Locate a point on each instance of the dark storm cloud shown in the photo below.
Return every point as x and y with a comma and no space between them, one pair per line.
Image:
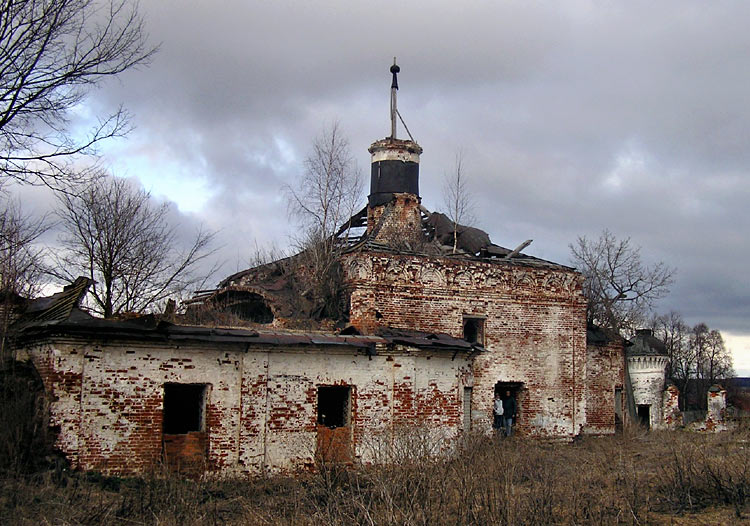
571,118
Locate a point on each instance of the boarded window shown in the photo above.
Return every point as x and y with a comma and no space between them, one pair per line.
333,405
474,330
184,408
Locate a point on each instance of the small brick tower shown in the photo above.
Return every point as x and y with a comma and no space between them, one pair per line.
393,214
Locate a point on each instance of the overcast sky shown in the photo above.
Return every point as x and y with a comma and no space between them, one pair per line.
571,117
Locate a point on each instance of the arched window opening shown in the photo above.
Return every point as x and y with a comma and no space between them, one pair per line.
248,306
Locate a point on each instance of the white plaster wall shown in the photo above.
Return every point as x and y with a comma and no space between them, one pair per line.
122,385
293,378
261,403
64,363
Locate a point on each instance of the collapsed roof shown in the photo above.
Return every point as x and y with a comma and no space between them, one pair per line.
62,305
264,292
438,232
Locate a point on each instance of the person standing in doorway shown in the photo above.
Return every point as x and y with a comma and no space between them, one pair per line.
509,412
498,421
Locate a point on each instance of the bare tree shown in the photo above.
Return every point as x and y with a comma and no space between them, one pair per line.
325,198
698,357
716,364
21,260
676,334
21,264
619,287
121,240
53,52
330,188
457,199
713,362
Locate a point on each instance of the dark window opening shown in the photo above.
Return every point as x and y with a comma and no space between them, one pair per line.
333,405
644,415
246,305
474,330
184,407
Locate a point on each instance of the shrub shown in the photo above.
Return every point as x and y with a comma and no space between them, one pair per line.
25,438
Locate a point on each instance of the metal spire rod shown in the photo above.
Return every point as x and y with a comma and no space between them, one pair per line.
394,89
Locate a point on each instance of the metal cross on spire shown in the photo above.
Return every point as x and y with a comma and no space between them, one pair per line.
394,88
394,109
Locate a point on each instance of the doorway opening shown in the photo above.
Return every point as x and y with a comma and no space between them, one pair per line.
515,390
184,408
644,415
184,438
333,405
334,435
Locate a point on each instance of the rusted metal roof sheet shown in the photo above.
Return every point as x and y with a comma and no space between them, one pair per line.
428,340
58,306
150,328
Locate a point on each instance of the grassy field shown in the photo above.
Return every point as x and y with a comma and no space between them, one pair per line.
669,478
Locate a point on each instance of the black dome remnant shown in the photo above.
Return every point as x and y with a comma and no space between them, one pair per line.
394,169
644,343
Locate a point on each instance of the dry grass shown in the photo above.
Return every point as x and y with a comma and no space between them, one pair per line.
674,478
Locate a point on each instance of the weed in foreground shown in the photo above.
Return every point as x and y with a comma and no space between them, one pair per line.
625,480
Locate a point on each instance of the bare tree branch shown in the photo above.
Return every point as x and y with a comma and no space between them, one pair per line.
698,357
330,188
53,52
713,361
21,261
122,241
620,289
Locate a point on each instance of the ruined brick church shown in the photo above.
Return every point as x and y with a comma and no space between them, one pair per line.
431,336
